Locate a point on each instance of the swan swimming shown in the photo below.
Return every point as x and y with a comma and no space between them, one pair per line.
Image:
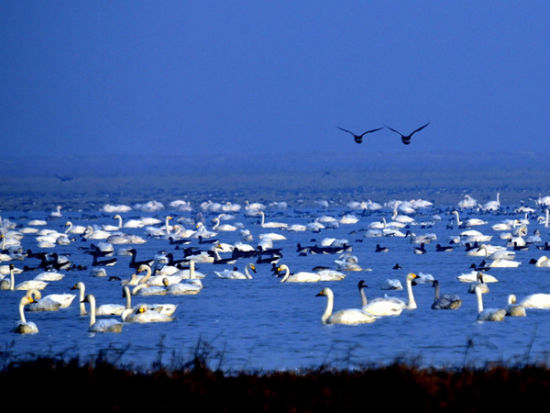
445,301
23,326
380,307
50,302
271,224
536,301
235,274
513,309
142,314
489,314
104,325
352,316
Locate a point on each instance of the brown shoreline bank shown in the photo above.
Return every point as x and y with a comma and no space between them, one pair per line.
102,386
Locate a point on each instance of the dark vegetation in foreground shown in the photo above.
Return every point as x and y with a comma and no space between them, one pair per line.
101,384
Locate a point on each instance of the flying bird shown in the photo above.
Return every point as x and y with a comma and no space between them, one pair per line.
407,138
63,178
359,138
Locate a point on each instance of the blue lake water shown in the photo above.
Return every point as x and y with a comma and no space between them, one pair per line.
263,324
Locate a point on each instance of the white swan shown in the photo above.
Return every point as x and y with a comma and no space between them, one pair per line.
222,227
300,277
82,294
188,287
95,233
503,263
50,302
468,202
489,314
537,301
143,314
109,227
492,206
479,283
191,273
49,276
74,229
57,212
165,231
513,309
235,274
543,261
351,316
379,307
104,325
328,274
156,280
271,224
348,219
23,326
473,276
116,309
445,301
31,285
347,262
471,222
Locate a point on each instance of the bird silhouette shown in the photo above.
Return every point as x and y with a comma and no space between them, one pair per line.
406,139
63,178
358,138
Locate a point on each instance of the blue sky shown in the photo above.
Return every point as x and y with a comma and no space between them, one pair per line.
216,77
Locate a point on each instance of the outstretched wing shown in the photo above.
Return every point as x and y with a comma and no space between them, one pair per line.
345,130
393,130
370,131
419,129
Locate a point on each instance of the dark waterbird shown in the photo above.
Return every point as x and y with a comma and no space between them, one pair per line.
406,139
358,138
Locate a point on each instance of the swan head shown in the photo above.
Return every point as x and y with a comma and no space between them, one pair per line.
324,292
35,294
144,267
512,299
361,284
411,277
88,299
27,299
78,286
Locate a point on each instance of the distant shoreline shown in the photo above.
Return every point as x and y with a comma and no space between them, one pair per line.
77,181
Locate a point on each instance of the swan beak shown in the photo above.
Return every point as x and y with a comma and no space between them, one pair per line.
253,267
321,293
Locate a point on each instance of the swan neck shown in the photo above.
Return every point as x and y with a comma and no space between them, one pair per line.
22,311
81,297
363,297
458,221
479,300
91,300
436,292
128,297
287,273
12,279
329,307
147,276
412,303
